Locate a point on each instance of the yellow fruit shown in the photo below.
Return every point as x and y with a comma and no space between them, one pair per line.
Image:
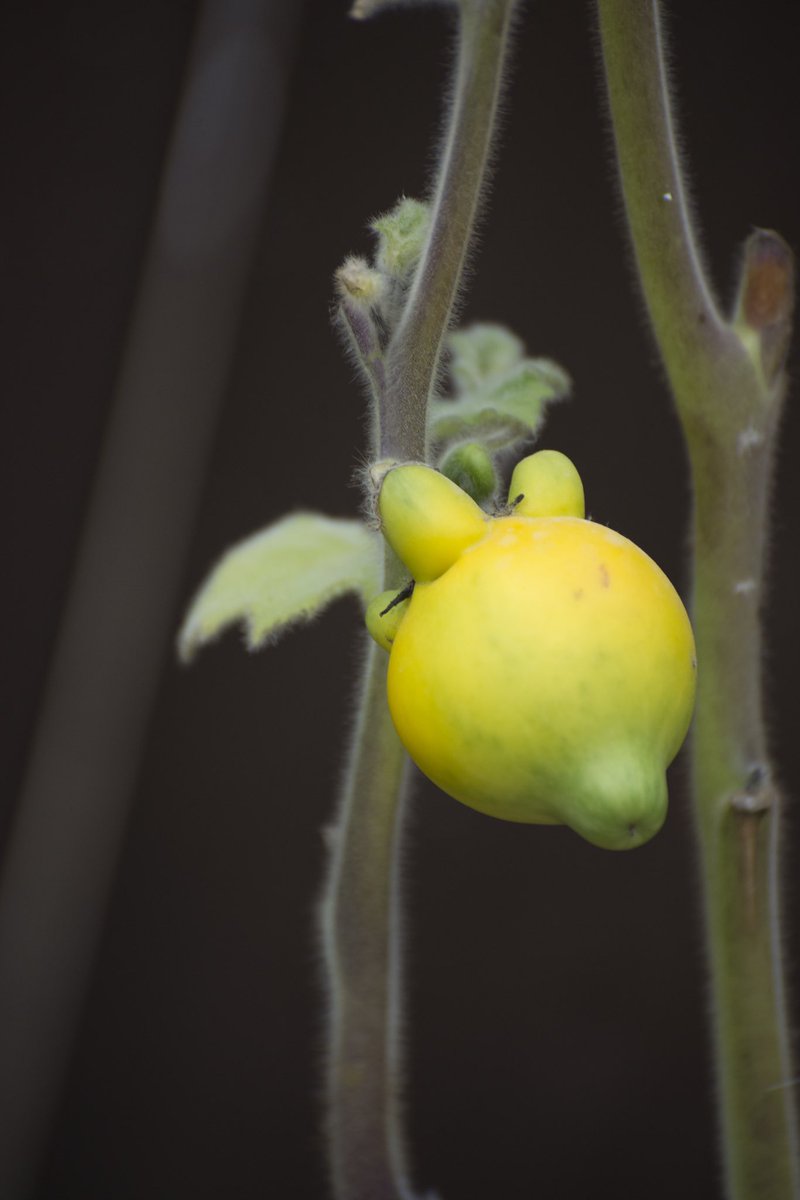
547,674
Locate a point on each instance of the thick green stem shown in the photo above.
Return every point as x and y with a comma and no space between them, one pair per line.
727,382
359,923
413,358
361,907
737,808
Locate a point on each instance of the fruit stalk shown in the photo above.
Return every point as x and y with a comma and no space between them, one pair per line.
413,356
360,907
359,920
727,378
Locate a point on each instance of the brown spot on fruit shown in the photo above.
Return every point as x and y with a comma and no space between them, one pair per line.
605,578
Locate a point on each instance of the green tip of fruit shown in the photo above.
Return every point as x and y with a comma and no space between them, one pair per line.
427,519
549,486
618,803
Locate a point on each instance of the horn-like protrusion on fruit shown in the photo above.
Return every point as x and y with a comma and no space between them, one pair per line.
383,616
549,486
427,519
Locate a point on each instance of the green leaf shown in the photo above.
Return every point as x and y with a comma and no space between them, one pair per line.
504,409
471,467
499,394
482,354
283,574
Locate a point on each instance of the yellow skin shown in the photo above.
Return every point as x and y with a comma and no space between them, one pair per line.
547,674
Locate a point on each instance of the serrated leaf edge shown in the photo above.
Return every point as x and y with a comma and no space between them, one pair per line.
192,637
441,411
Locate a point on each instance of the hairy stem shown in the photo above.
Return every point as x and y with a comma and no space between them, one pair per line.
727,380
362,337
414,352
360,911
359,925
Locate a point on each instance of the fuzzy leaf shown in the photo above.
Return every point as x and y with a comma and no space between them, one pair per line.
285,573
482,354
501,411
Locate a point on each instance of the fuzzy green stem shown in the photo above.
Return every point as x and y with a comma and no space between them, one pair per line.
726,377
361,908
360,330
359,924
414,352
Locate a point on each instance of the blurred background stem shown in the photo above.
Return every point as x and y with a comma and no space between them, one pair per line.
728,381
117,624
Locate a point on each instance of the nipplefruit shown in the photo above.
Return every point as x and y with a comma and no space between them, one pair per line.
543,670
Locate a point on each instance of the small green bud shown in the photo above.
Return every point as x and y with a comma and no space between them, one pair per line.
401,237
357,280
471,467
549,486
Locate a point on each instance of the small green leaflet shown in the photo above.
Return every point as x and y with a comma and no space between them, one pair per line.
500,395
283,574
481,354
401,234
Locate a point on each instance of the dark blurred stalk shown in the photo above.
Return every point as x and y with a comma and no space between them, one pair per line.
117,624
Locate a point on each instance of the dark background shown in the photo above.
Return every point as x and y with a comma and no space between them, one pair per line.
557,1004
